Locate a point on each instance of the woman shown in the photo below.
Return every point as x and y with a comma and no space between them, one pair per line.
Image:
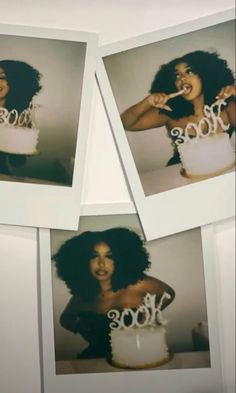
19,83
179,92
104,270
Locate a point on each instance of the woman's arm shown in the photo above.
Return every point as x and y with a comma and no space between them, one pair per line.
154,286
69,317
231,112
146,113
224,94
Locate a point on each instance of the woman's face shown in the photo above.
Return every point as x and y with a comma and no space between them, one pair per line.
102,264
4,88
186,79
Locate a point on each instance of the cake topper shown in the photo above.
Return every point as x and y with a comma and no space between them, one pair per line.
211,119
149,311
14,119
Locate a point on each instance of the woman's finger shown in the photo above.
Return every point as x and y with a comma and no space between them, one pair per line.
226,92
167,108
176,94
163,106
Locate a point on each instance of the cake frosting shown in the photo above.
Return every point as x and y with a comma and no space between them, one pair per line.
207,153
18,134
138,337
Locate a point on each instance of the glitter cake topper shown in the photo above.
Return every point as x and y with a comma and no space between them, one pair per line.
149,310
211,120
14,119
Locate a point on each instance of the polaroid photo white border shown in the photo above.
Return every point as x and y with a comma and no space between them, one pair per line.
44,203
202,380
184,207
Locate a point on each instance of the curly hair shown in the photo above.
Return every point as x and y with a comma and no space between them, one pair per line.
130,257
23,81
213,71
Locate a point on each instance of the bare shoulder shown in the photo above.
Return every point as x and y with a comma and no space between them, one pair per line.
150,283
154,285
133,295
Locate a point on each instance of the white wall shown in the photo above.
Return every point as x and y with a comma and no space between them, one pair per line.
225,243
19,325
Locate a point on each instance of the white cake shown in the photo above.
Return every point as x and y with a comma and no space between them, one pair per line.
207,157
139,347
139,344
18,140
206,153
18,134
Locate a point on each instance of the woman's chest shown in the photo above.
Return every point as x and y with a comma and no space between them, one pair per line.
209,122
117,300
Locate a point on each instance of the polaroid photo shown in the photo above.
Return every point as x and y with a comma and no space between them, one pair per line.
46,87
122,312
170,98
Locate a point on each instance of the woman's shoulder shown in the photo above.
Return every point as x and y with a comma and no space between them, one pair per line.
151,284
148,282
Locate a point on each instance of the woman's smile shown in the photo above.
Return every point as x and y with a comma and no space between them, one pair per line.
101,272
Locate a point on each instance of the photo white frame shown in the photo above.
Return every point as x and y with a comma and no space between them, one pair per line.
202,380
50,204
171,209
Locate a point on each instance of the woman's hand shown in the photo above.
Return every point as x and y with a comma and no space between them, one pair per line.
143,116
159,100
226,92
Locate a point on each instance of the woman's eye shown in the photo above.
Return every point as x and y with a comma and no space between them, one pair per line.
189,72
177,76
109,256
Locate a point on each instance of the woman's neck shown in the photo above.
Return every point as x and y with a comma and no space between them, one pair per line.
105,286
198,104
2,103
